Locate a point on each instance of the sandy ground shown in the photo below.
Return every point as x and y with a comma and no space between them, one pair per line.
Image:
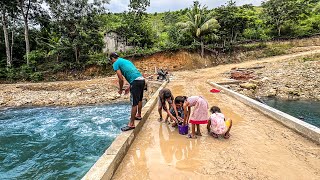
259,147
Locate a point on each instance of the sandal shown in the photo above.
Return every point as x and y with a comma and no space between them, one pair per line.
138,118
227,136
127,128
160,119
214,135
191,137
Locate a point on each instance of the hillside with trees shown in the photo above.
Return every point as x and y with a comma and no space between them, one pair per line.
40,38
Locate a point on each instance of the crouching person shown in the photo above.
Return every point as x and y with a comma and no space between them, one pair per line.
217,123
178,101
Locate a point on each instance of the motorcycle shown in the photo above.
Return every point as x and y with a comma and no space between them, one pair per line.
163,75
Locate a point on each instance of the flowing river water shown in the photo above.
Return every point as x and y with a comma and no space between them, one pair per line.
56,142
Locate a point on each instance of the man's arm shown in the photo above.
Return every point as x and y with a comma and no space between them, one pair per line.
120,77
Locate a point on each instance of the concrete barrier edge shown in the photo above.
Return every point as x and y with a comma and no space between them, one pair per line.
107,164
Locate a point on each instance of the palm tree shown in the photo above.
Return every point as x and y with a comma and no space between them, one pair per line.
199,23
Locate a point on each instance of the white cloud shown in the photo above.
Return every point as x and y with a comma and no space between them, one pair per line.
117,6
173,5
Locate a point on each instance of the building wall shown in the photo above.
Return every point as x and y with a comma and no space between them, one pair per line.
114,43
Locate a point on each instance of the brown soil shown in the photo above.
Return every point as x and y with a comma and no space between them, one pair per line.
259,147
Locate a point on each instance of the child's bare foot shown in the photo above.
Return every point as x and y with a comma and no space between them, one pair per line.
227,136
214,135
198,134
160,119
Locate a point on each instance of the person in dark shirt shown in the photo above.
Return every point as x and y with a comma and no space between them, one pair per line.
165,95
178,101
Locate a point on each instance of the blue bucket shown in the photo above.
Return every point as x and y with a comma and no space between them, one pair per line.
183,129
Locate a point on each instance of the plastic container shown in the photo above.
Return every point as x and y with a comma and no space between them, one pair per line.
183,129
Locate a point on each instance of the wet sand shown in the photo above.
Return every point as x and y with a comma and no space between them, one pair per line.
259,147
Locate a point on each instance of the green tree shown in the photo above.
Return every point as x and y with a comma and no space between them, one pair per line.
199,24
279,12
25,7
139,6
134,25
233,21
137,30
7,9
78,24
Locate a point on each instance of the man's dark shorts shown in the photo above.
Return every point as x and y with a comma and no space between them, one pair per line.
136,91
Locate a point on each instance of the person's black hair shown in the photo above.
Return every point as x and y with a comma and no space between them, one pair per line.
167,94
215,109
113,55
180,99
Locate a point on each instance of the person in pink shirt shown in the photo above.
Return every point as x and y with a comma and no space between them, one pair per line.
198,116
217,124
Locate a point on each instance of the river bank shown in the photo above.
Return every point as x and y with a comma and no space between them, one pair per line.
67,93
295,75
295,78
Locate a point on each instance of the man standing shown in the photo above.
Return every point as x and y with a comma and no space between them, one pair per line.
126,68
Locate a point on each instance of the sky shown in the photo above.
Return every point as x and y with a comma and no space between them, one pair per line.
173,5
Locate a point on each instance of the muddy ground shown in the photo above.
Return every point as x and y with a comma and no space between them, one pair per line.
259,147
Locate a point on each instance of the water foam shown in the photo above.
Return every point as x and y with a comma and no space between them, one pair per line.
40,143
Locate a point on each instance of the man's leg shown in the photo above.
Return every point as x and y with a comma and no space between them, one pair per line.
142,85
134,107
133,116
139,109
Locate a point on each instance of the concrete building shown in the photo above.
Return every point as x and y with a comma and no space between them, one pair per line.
115,43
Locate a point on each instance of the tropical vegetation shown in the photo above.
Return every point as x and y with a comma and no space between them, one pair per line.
42,37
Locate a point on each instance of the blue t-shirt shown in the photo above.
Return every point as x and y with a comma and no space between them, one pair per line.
128,70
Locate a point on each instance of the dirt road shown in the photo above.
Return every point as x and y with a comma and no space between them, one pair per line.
259,147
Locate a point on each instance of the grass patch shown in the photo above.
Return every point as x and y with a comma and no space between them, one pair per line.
276,49
253,46
310,58
273,51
